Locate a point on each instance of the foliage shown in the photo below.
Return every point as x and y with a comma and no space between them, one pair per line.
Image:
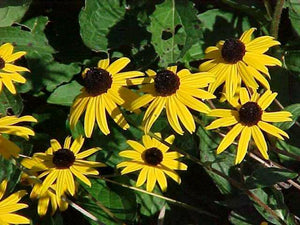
62,38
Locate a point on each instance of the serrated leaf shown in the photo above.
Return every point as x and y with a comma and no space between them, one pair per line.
96,19
12,11
10,104
295,110
264,177
65,94
175,28
294,14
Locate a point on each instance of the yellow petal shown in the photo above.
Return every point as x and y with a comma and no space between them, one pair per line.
151,179
142,176
89,119
229,138
260,142
243,144
282,116
103,64
246,36
117,65
161,178
272,130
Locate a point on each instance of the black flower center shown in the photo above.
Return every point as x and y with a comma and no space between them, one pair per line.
2,63
152,156
63,158
97,81
166,83
250,113
233,50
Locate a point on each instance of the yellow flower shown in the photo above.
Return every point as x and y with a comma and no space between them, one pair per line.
47,197
10,205
44,199
175,91
60,164
9,71
7,126
103,92
249,120
237,60
154,161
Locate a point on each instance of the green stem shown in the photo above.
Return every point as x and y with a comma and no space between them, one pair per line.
276,18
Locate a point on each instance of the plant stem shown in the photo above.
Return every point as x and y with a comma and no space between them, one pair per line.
276,18
173,201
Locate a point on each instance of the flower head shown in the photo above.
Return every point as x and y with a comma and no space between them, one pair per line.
60,164
104,90
240,60
10,205
8,126
175,91
249,120
154,161
9,71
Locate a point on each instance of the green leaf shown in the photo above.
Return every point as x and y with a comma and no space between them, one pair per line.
96,19
10,172
9,103
30,41
274,199
295,110
175,29
45,71
294,14
12,11
218,24
264,177
292,60
222,162
118,200
65,94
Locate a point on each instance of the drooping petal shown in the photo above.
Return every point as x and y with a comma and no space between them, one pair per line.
230,137
260,142
161,178
172,116
243,144
272,130
151,179
101,115
89,118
